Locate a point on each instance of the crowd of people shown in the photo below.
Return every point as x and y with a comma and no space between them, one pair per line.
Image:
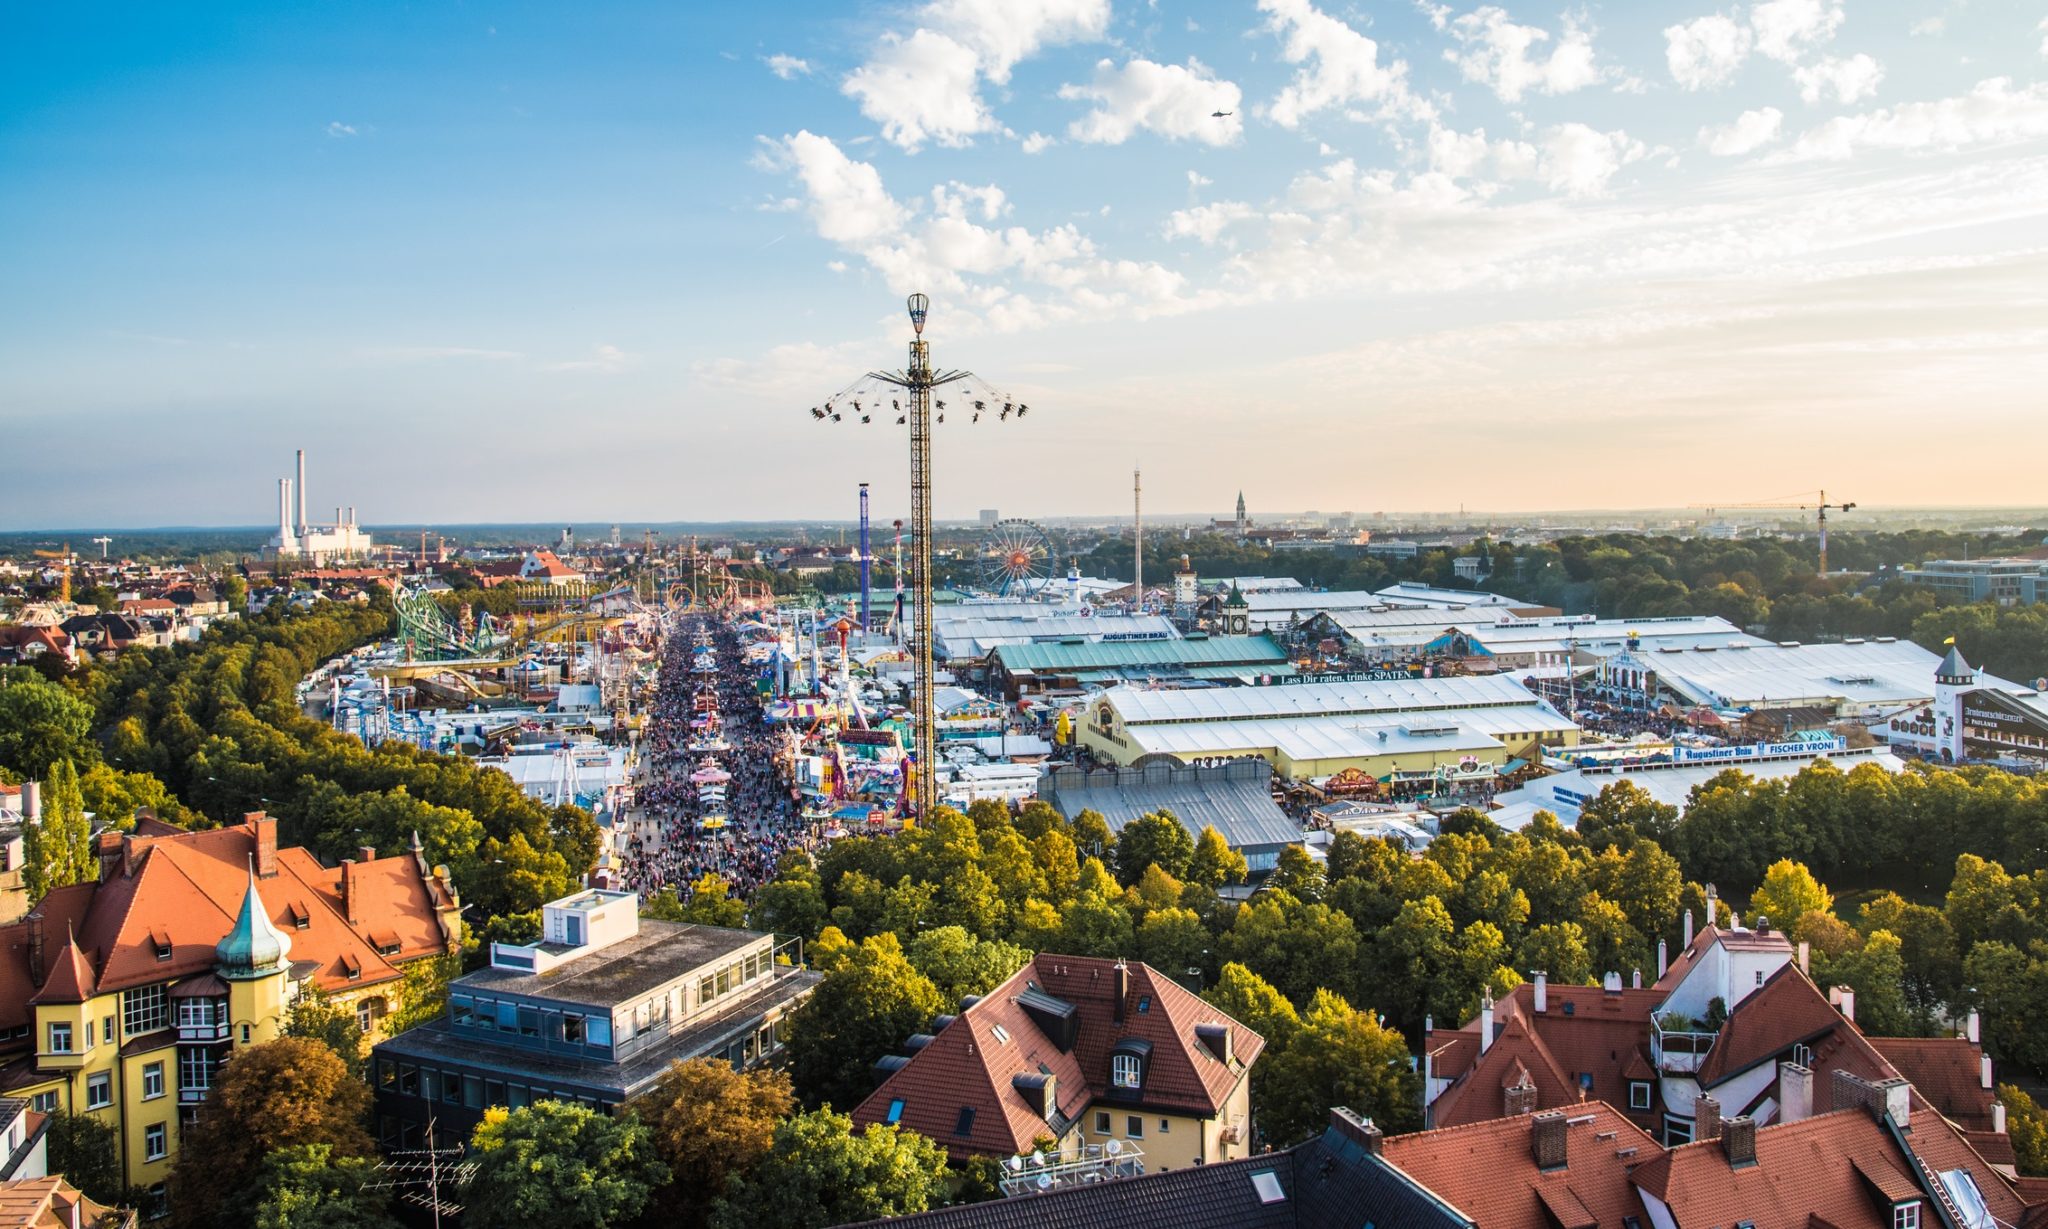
706,723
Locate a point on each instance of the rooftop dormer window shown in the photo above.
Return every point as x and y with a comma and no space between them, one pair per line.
1126,1070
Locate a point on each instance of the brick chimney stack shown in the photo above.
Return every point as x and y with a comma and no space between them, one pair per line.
38,966
1738,1141
265,830
1354,1126
1706,1117
1795,1092
1519,1100
1547,1140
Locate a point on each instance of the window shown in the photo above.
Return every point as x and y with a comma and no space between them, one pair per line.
200,1013
1638,1095
152,1080
599,1030
1906,1215
1266,1184
43,1103
1759,977
1165,1125
572,1028
99,1090
158,1205
1134,1127
195,1071
1124,1070
245,1034
1101,1123
145,1010
1144,1003
895,1112
60,1037
1002,1034
965,1124
707,990
156,1143
107,1030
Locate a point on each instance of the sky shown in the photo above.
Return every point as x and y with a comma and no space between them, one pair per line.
595,262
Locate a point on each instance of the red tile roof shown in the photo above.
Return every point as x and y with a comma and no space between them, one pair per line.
1948,1071
188,887
1582,1031
1487,1170
968,1065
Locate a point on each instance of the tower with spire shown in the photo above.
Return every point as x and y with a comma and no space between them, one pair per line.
1237,612
1242,523
254,959
1953,679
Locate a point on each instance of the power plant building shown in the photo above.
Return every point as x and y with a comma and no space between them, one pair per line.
300,540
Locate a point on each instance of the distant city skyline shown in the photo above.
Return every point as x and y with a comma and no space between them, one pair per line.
531,263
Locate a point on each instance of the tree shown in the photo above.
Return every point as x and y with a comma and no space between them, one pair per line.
553,1165
318,1017
2027,1124
1158,840
56,852
41,723
1876,973
712,904
820,1171
423,995
709,1122
307,1187
1253,1001
1559,949
86,1151
1298,873
792,903
959,964
1340,1056
859,1012
1173,940
1622,812
1789,892
1214,863
1297,947
276,1095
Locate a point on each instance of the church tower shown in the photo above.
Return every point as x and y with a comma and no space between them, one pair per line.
1237,613
1242,523
1953,678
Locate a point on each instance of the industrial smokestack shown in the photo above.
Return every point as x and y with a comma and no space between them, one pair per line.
284,510
302,493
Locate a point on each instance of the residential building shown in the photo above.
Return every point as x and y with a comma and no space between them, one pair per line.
52,1203
1733,1027
592,1013
24,1148
120,998
1093,1054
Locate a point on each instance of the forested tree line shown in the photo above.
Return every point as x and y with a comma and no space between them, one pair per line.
207,731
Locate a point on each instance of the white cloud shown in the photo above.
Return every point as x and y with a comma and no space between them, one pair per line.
1464,155
2043,28
1573,159
1206,223
787,67
1339,66
604,359
957,200
922,88
927,86
1785,29
1198,180
1578,160
1928,27
1177,102
1850,80
1748,131
339,129
848,203
1497,55
1706,51
1993,111
1037,143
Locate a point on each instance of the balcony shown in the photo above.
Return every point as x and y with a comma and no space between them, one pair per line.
204,1034
1679,1046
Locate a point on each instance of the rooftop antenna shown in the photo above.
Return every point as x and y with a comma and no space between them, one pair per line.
418,1175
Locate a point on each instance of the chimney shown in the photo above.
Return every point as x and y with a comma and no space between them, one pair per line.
1663,958
265,830
1636,981
1738,1141
1706,1117
284,509
1893,1097
1687,940
1542,990
1519,1100
1843,999
1998,1117
38,967
131,853
1763,923
301,488
1713,898
366,853
1123,988
351,901
1795,1092
1805,957
1485,1020
1984,1066
1973,1024
1355,1127
1611,983
1546,1140
31,801
109,848
1735,919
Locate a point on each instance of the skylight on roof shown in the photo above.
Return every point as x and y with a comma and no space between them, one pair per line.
1002,1034
1267,1184
895,1111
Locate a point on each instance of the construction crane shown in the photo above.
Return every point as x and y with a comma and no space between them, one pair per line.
64,593
104,543
1820,506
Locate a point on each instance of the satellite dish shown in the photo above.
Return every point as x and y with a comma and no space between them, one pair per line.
1114,1147
1015,1163
1038,1159
1045,1182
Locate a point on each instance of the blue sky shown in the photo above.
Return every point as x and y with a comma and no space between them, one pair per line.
593,262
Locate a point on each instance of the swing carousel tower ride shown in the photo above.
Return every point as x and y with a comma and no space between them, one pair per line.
908,397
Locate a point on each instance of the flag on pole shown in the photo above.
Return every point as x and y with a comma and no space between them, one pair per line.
1950,641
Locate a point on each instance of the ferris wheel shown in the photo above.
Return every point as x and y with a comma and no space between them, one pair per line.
1016,559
